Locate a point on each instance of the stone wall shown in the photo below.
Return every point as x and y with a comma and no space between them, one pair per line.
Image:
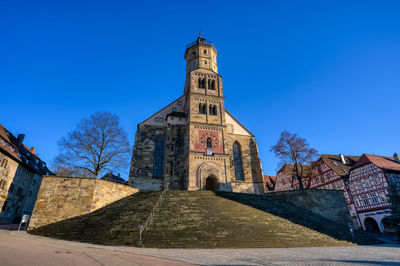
330,204
141,172
61,198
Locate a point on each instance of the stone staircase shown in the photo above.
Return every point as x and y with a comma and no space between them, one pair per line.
204,219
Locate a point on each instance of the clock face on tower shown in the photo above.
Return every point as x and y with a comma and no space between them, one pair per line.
209,142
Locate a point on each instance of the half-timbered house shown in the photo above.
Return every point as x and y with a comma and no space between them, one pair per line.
332,171
369,183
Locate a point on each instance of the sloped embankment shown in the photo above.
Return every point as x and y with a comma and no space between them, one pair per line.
204,219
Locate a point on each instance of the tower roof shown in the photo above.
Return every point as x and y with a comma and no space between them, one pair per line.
200,40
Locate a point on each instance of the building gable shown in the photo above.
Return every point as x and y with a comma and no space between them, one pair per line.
160,118
235,126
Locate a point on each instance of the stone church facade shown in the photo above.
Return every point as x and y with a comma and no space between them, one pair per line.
194,143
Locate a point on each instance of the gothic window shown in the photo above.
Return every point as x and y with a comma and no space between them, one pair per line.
158,157
237,161
209,143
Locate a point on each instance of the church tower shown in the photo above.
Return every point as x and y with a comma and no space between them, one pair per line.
194,143
205,155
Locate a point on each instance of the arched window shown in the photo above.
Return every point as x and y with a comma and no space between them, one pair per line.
209,84
204,109
200,108
212,87
237,161
213,110
202,83
158,162
209,142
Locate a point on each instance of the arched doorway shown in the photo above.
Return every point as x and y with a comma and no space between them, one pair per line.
388,226
371,225
211,183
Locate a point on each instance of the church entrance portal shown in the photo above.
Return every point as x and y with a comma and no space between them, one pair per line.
211,183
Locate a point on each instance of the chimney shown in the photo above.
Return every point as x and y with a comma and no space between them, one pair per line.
343,159
33,150
396,157
20,138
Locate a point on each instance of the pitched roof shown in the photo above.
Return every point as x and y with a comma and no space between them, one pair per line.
240,125
290,167
269,179
110,176
334,161
21,153
8,146
383,162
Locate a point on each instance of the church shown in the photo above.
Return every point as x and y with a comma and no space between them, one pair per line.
194,143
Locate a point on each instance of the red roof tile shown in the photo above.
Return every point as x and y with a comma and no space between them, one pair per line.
384,162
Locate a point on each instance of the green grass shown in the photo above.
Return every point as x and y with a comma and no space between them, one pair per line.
204,219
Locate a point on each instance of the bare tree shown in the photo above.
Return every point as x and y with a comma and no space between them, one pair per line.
294,151
97,145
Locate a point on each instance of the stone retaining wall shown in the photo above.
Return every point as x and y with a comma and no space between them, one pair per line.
61,198
330,204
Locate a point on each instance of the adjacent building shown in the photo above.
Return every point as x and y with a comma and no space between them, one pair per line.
369,182
269,183
285,178
194,142
332,171
21,172
365,181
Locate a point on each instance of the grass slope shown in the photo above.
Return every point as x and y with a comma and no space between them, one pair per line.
204,219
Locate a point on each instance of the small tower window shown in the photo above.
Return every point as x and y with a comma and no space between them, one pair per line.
212,85
205,62
202,83
213,110
202,108
194,52
205,51
209,142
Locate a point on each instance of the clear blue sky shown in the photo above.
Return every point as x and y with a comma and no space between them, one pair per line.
326,70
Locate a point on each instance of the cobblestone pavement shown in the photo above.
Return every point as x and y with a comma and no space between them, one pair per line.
88,254
20,248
